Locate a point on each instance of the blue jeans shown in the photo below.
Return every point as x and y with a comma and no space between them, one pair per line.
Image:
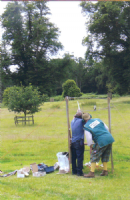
77,152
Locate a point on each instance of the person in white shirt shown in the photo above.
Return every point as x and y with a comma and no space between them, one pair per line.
89,140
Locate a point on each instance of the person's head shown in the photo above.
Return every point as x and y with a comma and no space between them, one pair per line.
86,116
78,114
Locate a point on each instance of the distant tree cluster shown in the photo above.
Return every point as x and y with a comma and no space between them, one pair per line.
29,39
108,43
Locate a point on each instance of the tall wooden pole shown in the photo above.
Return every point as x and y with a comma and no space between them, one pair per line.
69,132
109,121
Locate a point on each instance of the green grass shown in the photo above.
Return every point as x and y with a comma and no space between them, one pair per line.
22,145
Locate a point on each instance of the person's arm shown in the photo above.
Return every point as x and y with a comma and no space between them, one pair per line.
89,140
106,126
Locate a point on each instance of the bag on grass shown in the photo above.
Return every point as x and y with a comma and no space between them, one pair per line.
63,161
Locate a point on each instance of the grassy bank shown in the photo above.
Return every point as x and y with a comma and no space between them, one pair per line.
22,145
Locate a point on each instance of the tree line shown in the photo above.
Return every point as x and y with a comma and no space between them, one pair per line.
30,39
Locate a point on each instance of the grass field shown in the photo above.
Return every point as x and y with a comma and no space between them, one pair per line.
22,145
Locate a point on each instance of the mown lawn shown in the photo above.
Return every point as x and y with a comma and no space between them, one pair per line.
22,145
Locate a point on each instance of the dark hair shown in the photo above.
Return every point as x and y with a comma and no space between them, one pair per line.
78,115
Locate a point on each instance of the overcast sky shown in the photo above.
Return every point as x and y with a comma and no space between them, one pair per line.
68,18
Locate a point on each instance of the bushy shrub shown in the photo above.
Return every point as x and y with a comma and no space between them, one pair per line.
71,89
58,98
45,98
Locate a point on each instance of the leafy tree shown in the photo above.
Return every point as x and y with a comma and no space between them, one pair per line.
32,38
66,68
71,89
94,79
77,71
6,96
45,97
60,71
6,75
108,40
23,99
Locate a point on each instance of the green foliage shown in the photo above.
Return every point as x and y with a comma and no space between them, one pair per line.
45,98
5,67
70,89
94,79
116,95
24,99
2,105
108,27
62,69
58,98
6,96
59,70
31,39
109,87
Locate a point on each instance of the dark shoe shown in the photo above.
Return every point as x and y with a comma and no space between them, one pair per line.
74,173
89,175
104,173
80,174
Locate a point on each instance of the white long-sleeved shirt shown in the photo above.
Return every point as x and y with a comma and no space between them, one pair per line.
89,136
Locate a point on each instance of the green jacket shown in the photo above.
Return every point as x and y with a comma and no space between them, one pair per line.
100,134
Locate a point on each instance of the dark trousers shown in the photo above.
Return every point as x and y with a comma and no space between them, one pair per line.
77,152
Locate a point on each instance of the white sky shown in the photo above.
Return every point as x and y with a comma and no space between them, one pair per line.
68,18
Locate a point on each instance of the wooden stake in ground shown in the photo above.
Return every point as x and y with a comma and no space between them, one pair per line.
69,132
109,121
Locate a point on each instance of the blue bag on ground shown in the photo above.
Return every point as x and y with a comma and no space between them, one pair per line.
44,168
49,169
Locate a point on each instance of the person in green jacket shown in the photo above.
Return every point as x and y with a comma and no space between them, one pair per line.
103,143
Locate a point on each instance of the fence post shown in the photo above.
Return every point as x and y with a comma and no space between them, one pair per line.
69,133
109,121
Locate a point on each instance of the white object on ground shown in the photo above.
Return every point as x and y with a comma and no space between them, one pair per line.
63,162
56,166
38,174
20,174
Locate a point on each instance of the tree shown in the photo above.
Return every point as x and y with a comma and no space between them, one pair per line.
23,99
32,38
108,40
77,71
5,67
94,79
71,89
60,69
6,96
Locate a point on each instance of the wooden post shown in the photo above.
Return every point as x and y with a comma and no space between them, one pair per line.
109,121
69,133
